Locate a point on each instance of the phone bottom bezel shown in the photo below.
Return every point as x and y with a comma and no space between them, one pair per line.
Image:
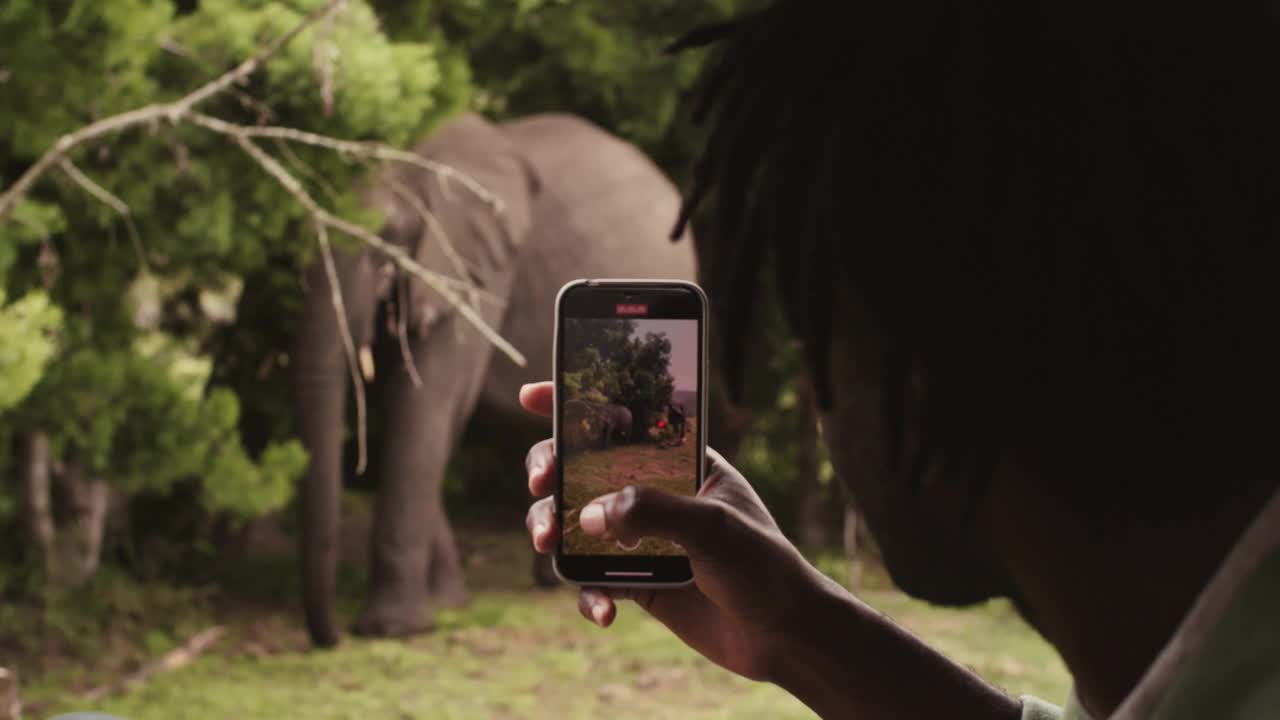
668,571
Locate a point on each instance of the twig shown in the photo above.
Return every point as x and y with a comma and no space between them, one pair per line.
106,198
437,231
324,55
440,283
249,66
348,343
264,112
369,150
172,660
148,114
402,329
183,109
306,170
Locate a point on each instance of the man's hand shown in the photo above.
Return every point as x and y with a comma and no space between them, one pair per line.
756,606
748,579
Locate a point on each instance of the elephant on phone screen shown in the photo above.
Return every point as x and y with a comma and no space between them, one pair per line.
577,203
615,425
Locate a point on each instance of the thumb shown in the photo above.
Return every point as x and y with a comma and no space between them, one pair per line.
703,526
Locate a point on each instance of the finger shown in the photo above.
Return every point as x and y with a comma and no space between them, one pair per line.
538,398
724,483
541,523
596,606
539,463
704,526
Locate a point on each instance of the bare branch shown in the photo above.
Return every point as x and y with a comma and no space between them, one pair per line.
435,281
348,342
437,230
324,56
106,198
306,170
93,188
172,660
264,112
149,114
183,110
402,330
67,143
440,283
370,150
249,66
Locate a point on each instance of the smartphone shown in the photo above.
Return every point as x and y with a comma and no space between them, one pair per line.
630,409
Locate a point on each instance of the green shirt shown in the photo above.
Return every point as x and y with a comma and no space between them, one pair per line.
1223,663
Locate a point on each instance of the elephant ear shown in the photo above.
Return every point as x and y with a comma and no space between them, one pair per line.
448,227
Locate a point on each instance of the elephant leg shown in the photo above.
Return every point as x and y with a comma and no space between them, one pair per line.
446,586
421,428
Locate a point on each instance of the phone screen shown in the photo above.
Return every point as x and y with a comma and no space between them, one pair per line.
630,396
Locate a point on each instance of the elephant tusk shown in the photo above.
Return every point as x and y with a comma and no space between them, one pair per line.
366,363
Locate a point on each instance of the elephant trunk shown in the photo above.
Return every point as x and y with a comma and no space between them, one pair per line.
320,376
320,407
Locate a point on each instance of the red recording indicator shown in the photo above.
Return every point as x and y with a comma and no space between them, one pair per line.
632,309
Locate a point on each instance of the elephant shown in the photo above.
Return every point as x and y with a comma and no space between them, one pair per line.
577,202
615,425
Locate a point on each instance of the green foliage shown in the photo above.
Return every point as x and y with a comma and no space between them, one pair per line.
127,390
113,624
602,59
237,485
769,451
135,420
26,344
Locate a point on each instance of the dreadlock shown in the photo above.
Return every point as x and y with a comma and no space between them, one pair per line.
1038,205
752,117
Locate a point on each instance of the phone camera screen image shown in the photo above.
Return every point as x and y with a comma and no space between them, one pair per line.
629,392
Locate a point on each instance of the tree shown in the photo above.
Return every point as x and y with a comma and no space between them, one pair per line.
163,153
606,363
645,378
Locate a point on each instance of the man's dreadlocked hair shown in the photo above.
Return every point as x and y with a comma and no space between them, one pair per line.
1041,206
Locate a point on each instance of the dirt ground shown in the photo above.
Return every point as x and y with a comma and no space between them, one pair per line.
592,473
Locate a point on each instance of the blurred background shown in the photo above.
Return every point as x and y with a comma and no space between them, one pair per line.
152,288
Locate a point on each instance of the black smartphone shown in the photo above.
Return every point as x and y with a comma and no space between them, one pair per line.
630,409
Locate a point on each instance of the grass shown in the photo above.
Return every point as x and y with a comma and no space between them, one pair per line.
514,652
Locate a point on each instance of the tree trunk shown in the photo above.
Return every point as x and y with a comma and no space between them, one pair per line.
811,522
851,543
10,706
34,453
88,500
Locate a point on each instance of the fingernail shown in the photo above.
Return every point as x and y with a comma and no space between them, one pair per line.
536,470
539,530
592,519
598,612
